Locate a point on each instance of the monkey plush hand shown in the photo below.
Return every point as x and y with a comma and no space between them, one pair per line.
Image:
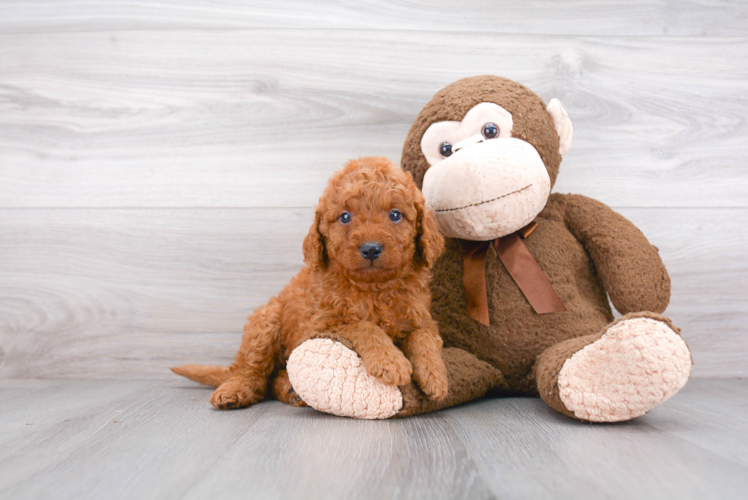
521,292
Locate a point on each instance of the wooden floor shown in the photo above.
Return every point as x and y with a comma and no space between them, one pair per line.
161,439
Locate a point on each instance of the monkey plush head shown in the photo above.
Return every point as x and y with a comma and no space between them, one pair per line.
486,151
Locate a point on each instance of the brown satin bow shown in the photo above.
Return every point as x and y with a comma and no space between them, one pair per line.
521,265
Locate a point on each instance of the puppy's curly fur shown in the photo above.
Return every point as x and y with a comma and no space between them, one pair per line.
378,305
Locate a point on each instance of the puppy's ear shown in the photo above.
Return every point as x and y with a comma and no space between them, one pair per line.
429,241
315,251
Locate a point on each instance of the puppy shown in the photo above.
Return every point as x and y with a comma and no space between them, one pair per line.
368,260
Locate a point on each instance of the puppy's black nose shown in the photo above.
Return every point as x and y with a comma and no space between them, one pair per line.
370,251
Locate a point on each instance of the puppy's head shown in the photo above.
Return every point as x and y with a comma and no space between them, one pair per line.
371,224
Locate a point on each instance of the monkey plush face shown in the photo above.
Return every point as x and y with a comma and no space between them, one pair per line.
486,152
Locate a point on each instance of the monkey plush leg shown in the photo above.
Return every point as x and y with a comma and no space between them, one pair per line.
330,377
634,364
468,378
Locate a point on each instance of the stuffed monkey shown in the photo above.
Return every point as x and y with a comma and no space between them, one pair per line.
521,291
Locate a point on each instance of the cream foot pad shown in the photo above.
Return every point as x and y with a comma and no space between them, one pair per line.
636,365
331,378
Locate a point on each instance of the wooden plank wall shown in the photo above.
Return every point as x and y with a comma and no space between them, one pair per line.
159,161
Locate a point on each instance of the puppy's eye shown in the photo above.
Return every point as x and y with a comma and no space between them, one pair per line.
490,130
395,216
445,149
345,218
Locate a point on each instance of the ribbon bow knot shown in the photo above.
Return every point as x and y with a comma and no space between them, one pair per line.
521,265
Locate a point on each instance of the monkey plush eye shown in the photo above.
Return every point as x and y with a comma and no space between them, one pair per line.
488,119
395,216
490,130
345,218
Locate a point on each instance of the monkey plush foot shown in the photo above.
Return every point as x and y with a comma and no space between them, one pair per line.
332,378
635,364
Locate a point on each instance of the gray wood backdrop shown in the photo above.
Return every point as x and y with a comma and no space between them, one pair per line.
160,160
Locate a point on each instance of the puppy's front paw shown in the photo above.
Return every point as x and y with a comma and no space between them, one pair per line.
389,368
233,393
431,377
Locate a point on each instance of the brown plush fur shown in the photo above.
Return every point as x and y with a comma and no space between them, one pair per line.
377,306
517,334
587,250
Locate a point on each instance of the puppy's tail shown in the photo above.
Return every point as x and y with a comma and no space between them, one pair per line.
212,375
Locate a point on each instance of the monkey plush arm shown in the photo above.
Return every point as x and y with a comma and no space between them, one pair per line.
630,267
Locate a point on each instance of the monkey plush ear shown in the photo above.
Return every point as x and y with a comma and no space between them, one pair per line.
315,251
562,123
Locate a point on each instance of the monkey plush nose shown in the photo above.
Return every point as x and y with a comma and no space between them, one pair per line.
370,251
473,139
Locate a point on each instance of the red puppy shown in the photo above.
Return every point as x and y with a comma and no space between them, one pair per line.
368,261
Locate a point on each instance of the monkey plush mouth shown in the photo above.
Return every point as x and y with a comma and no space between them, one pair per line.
485,201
